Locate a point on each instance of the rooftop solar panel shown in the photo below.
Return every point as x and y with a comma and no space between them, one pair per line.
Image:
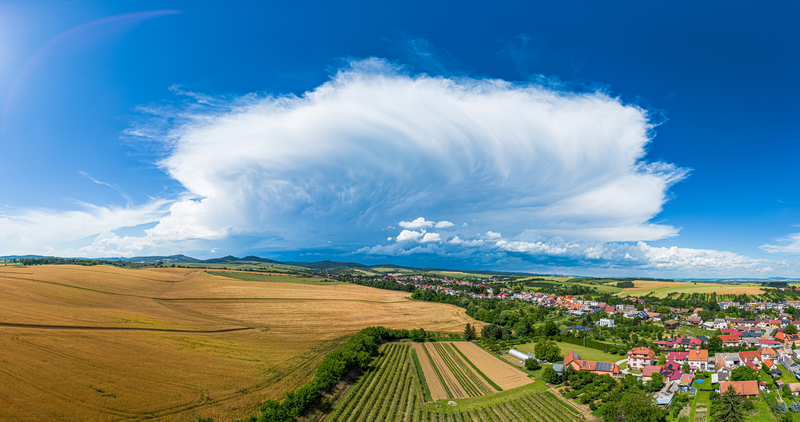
603,366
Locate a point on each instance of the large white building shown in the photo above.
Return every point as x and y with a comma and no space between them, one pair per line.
606,322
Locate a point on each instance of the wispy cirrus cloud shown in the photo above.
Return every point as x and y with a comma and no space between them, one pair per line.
787,245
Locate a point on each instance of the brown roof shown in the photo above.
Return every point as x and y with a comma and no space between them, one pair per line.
642,353
649,370
744,388
698,355
794,387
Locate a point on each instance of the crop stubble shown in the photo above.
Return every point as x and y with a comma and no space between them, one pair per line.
129,375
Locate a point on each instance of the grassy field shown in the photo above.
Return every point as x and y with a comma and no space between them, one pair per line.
584,352
98,367
663,288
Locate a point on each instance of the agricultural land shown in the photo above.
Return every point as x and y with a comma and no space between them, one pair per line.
664,288
393,390
103,343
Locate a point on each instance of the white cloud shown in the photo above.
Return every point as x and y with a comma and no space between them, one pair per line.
375,144
417,224
789,245
444,225
492,235
408,236
431,237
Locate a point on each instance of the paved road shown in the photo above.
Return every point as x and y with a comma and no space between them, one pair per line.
625,371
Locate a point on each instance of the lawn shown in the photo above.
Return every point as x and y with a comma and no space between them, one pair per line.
584,352
787,376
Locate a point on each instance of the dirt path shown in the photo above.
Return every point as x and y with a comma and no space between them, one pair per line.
156,330
448,376
582,408
498,371
437,390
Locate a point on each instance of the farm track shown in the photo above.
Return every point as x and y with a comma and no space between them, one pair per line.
154,330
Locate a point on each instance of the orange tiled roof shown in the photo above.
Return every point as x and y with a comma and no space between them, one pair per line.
744,388
698,355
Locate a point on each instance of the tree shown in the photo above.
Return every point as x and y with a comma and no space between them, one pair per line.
469,332
662,359
547,350
550,375
715,344
655,382
492,331
550,328
790,329
639,407
744,373
779,407
795,407
563,330
531,364
730,407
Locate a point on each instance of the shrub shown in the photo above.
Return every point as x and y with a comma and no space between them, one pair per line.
779,407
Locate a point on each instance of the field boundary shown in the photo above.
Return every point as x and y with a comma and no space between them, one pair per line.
489,380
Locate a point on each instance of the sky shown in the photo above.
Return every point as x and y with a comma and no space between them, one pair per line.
633,139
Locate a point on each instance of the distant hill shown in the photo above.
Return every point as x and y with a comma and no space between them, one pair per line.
328,265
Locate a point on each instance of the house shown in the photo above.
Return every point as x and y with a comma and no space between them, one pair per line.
731,360
686,381
679,357
744,388
768,353
686,343
648,371
794,388
769,364
672,371
768,342
751,342
751,358
640,357
698,360
731,332
605,322
787,339
671,325
694,320
601,368
784,351
780,384
729,341
664,399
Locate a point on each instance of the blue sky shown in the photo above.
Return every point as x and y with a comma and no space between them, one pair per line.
638,139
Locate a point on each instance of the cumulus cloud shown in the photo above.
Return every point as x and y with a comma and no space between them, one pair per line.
41,230
788,245
530,246
376,143
419,223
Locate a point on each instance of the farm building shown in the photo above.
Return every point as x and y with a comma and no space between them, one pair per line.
519,355
744,388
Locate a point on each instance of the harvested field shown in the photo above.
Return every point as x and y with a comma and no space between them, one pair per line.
450,379
498,371
434,384
286,326
663,288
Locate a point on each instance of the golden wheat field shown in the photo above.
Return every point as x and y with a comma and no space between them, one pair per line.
662,288
108,344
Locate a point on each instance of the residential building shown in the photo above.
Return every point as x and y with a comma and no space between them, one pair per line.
698,360
602,368
640,357
744,388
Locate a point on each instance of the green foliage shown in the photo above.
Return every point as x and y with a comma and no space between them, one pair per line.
625,284
532,364
469,332
421,376
547,350
790,329
550,375
655,383
779,407
492,331
729,407
744,373
795,407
